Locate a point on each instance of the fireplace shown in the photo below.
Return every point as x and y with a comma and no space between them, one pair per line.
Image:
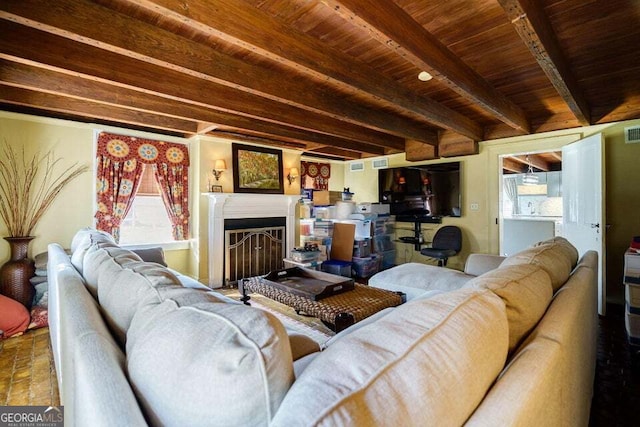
263,219
253,247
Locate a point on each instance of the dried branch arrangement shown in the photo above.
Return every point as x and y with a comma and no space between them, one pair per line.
29,186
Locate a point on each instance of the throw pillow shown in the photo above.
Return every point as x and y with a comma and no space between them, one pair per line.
36,280
41,260
151,255
39,317
14,317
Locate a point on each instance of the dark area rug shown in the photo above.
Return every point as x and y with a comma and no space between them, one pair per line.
616,400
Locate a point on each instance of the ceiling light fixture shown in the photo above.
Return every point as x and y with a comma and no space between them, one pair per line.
529,178
424,76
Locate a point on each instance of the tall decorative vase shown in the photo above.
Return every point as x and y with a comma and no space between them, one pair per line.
15,273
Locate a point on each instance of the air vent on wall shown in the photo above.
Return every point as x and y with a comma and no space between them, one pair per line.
380,163
632,135
356,167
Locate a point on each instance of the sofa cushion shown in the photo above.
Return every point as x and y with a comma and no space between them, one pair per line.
526,292
431,359
414,279
236,357
550,256
93,260
79,237
86,240
83,235
565,246
122,289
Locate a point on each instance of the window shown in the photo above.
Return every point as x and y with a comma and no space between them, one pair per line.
143,171
147,220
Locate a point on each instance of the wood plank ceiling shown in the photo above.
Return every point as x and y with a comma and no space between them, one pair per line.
539,162
331,78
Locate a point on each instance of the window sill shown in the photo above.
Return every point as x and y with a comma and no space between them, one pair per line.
168,246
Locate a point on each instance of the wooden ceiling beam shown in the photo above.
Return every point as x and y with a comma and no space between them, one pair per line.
255,139
453,145
32,77
304,53
396,29
73,106
509,164
91,24
204,128
534,28
556,155
24,44
335,152
342,144
534,161
416,151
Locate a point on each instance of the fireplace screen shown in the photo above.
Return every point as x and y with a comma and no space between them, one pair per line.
253,252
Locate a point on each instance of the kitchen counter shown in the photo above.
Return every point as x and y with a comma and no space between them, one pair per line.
534,218
520,232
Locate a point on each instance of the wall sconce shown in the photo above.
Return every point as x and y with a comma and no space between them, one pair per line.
219,167
293,174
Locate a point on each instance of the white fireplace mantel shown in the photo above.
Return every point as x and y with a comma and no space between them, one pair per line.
238,206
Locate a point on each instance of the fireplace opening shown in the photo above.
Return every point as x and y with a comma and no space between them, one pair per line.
253,247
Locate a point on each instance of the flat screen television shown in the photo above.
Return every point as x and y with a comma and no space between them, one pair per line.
432,190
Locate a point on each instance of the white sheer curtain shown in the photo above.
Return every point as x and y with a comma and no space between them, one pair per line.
510,186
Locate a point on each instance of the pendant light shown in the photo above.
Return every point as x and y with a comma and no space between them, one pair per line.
529,178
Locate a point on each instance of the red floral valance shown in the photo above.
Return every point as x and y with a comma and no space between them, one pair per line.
318,172
123,148
120,161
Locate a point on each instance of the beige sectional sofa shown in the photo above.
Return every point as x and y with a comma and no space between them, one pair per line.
133,346
115,366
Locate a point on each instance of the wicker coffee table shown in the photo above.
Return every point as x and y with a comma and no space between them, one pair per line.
338,312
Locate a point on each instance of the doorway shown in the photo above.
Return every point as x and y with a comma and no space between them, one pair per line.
530,199
581,190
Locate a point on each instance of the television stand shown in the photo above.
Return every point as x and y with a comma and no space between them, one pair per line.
416,240
419,218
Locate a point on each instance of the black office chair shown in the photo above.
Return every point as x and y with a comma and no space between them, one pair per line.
447,242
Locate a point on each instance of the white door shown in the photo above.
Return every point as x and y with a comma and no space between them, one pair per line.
583,208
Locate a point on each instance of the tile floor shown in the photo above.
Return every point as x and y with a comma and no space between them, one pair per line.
27,372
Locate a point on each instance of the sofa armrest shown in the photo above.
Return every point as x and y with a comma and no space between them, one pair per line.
478,264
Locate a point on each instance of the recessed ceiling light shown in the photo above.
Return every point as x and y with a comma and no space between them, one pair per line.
424,76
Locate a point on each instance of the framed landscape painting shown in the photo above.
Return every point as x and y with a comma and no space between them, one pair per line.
257,170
